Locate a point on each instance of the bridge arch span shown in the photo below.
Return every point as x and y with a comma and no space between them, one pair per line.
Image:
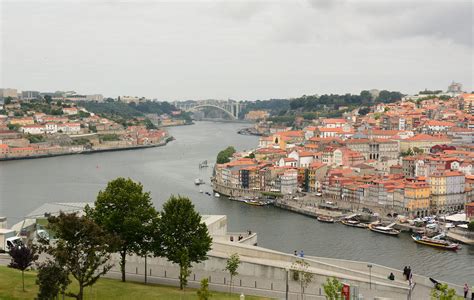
213,106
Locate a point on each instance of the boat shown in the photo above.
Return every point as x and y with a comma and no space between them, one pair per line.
198,181
436,241
354,223
325,219
207,193
203,164
388,230
217,195
254,202
201,191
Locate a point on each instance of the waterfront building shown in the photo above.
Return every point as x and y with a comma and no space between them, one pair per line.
289,182
417,198
447,191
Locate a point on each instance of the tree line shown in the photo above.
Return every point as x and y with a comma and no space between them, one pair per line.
124,221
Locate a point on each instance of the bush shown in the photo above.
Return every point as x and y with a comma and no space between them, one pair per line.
470,226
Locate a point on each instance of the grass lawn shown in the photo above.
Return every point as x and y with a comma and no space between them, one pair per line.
11,288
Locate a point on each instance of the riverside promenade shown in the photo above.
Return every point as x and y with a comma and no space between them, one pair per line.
264,272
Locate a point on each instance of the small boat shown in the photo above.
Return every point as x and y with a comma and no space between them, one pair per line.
388,230
198,181
325,219
255,202
354,223
436,241
207,193
217,195
201,191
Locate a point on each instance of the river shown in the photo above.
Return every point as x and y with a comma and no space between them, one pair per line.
26,184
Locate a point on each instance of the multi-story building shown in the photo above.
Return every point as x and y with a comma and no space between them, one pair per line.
447,191
417,198
30,95
5,93
374,148
289,182
423,142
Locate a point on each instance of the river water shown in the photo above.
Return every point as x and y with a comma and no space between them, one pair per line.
26,184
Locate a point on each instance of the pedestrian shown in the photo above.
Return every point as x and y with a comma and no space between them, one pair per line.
405,272
231,238
409,273
472,292
296,253
301,253
466,290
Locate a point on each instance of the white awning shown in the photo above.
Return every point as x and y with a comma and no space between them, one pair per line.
457,218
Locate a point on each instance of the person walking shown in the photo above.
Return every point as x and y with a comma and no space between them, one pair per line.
466,290
296,253
301,253
408,273
472,292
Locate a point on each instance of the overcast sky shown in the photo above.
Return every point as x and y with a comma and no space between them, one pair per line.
242,50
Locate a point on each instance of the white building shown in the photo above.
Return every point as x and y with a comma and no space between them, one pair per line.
51,128
289,182
70,128
33,129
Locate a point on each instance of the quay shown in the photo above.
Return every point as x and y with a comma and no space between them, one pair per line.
91,151
262,272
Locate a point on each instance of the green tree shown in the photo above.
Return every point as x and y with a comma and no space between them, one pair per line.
81,248
52,279
184,238
8,100
444,292
22,258
301,274
203,293
233,263
365,96
125,211
470,226
48,99
332,289
224,155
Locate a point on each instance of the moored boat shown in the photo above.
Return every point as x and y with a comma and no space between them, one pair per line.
436,242
354,223
388,230
198,181
325,219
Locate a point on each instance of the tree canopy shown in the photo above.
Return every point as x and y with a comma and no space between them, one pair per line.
82,249
225,155
124,210
184,238
22,258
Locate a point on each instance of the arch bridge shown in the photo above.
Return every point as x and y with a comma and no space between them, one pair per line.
230,108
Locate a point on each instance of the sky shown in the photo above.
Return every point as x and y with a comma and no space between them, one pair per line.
242,50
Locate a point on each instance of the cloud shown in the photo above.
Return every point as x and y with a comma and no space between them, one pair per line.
441,21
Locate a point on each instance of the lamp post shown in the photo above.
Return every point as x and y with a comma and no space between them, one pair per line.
370,275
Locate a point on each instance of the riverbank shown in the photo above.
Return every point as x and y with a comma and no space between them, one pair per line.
91,151
249,131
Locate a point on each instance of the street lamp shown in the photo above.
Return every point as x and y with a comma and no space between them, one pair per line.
370,275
